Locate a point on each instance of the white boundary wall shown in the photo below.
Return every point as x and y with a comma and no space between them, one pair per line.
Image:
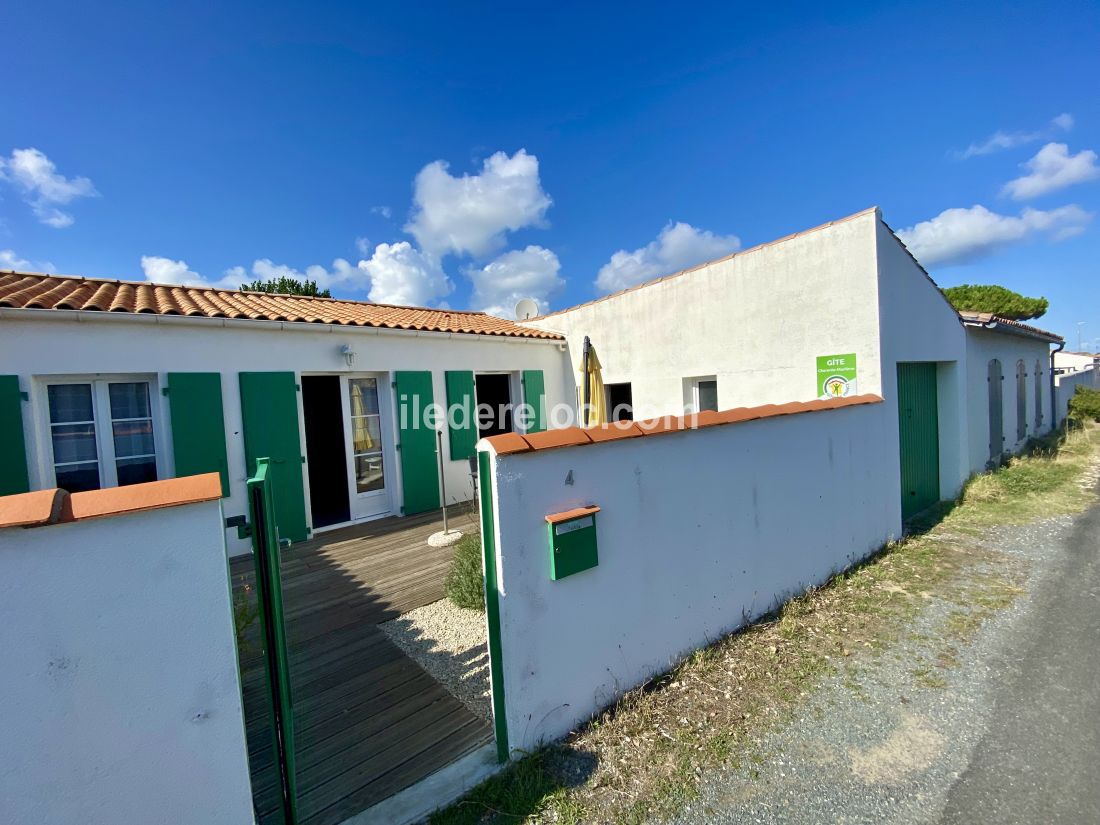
700,532
120,694
1067,384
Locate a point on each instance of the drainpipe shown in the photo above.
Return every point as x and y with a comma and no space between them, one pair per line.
587,347
1053,400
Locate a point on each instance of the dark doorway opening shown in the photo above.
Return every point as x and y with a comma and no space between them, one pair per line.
494,404
620,402
325,450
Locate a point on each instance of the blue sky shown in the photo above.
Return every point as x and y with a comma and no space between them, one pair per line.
471,153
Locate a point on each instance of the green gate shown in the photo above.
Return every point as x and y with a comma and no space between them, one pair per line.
419,466
264,530
918,426
269,410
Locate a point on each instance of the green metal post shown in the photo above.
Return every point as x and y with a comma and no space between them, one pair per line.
269,596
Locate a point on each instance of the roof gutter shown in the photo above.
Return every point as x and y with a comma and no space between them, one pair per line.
1054,387
93,316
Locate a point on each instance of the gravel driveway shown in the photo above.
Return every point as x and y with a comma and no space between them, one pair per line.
1011,734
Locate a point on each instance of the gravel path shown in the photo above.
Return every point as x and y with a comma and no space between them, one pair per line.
1006,736
449,642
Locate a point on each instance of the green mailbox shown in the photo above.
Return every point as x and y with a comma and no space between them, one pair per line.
572,537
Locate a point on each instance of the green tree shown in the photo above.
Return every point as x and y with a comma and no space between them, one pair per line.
995,299
287,286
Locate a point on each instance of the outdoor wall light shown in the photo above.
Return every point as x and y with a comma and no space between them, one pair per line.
348,353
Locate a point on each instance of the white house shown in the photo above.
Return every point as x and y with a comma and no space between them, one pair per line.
104,383
839,309
1010,386
1067,362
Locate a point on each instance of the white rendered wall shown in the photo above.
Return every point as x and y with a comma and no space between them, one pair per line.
1067,385
120,694
1074,361
758,321
982,346
37,345
919,325
690,548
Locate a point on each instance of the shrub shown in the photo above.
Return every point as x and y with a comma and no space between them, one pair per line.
1085,404
465,584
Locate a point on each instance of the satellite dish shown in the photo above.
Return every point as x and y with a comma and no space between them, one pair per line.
526,308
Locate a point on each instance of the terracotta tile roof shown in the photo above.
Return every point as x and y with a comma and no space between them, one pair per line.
510,443
984,318
56,506
24,290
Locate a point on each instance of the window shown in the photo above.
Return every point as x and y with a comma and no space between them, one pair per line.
101,434
366,435
620,402
706,394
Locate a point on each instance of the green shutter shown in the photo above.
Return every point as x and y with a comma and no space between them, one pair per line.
918,422
461,424
13,447
269,410
198,426
419,470
534,393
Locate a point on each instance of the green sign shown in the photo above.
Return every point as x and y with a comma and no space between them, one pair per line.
836,376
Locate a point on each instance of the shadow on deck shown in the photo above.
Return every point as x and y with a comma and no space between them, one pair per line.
369,721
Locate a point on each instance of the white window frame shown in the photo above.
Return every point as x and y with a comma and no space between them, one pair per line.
695,382
104,436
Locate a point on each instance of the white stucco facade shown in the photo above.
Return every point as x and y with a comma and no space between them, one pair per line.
121,698
1010,349
1075,361
44,345
756,321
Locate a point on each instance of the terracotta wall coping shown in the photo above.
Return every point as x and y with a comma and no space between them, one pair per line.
57,506
569,515
509,443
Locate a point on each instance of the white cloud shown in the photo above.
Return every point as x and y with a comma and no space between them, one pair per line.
384,211
1064,121
678,246
9,260
167,271
363,245
521,273
402,274
960,235
43,188
1007,140
472,213
1053,168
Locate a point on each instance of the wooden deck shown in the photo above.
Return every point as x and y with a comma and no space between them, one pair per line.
369,721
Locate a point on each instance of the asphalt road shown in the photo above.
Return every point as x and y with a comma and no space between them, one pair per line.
1013,736
1039,760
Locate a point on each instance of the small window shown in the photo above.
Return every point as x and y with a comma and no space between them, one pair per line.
620,402
101,434
706,394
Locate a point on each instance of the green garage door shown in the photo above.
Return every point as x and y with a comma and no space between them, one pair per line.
918,423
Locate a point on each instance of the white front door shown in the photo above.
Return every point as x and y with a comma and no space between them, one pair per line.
368,452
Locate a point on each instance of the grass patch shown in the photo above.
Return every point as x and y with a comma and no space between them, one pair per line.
646,753
465,583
